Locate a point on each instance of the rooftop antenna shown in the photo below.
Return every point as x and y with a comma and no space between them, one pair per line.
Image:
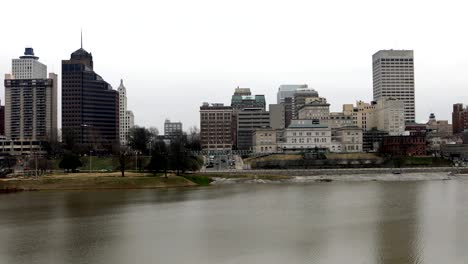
81,38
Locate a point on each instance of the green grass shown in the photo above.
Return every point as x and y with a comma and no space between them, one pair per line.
425,161
98,163
102,163
101,182
198,179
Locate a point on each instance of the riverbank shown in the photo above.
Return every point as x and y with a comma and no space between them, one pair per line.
326,175
88,181
326,172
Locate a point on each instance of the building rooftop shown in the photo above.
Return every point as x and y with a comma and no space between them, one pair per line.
81,54
305,123
29,54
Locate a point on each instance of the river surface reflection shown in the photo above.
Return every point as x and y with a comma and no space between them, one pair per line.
338,222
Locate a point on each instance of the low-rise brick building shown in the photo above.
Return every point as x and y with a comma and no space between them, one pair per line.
413,145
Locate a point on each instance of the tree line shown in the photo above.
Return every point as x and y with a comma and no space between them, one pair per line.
173,153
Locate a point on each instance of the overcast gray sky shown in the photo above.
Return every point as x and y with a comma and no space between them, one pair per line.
174,55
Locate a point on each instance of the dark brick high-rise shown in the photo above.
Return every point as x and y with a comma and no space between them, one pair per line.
90,107
458,118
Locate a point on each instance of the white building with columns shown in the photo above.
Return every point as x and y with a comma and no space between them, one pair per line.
126,116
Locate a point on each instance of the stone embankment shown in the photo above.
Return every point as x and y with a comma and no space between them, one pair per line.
334,172
328,175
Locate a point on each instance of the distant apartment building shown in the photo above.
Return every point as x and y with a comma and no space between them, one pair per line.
90,107
347,139
415,128
277,114
21,147
372,140
412,145
285,96
288,112
393,77
341,119
126,118
30,112
287,91
172,129
299,100
386,114
304,135
459,118
364,113
248,120
242,98
215,127
439,127
316,109
265,140
389,115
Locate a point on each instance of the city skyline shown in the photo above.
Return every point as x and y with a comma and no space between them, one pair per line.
283,49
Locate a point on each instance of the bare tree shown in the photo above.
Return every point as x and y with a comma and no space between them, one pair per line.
124,159
193,138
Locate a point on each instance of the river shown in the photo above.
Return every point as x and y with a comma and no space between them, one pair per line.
337,222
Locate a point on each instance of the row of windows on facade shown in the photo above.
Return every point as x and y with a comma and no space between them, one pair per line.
394,59
348,147
308,133
307,140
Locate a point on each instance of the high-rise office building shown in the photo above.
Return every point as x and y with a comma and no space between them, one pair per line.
249,119
30,100
277,115
243,98
299,100
287,90
172,129
216,127
285,96
393,76
90,107
126,118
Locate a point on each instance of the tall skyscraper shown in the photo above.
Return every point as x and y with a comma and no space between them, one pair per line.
90,107
126,118
393,76
30,100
